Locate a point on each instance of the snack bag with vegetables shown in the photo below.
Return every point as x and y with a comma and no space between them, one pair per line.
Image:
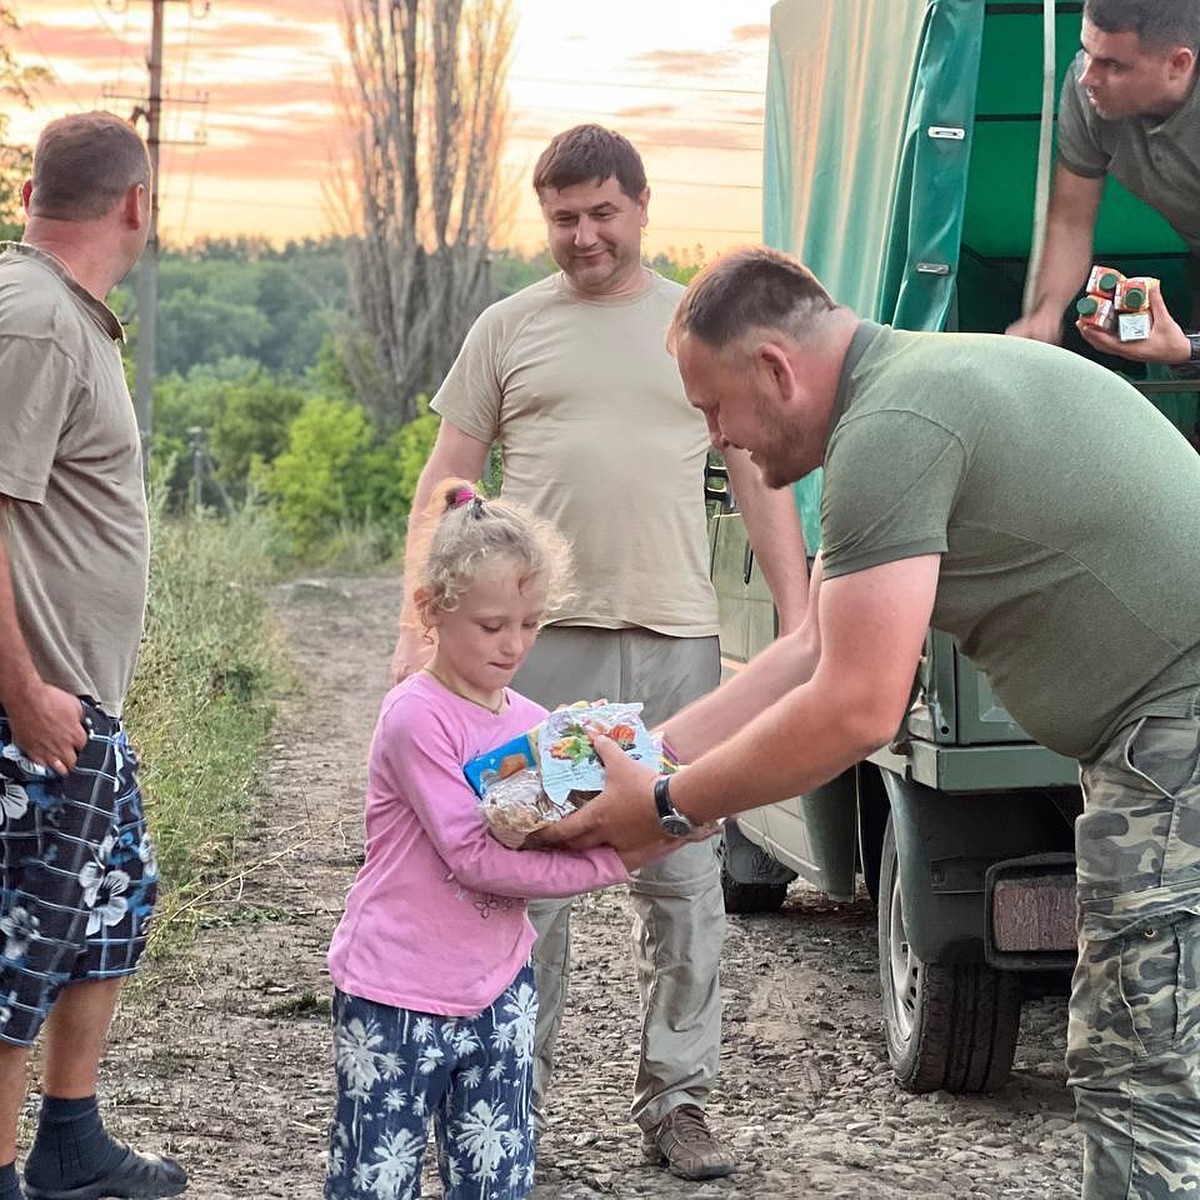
547,773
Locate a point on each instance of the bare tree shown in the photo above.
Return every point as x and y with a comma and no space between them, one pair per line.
427,104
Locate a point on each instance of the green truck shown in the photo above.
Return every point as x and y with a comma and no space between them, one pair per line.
908,154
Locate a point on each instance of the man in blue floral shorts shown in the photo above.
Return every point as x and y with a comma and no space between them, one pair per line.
77,872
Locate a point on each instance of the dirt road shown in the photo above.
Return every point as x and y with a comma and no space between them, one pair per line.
224,1060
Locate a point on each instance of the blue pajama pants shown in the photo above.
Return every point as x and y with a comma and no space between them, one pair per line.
397,1069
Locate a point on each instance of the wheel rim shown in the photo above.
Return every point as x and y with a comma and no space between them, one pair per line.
905,970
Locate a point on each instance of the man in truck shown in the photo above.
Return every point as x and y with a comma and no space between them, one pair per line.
1129,108
998,490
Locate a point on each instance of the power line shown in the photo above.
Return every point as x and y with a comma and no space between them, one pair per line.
27,32
646,87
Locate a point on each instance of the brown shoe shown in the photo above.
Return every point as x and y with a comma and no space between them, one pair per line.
683,1143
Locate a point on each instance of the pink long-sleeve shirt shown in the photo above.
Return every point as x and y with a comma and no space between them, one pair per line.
435,919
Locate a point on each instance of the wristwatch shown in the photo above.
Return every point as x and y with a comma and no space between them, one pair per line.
670,818
1191,368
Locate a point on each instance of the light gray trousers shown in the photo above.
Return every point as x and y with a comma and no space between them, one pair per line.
679,913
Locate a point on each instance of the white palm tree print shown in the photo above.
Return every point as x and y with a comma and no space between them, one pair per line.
356,1055
521,1003
400,1155
481,1135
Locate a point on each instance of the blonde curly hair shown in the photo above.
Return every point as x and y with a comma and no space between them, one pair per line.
463,532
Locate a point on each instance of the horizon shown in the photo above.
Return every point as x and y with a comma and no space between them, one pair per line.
268,163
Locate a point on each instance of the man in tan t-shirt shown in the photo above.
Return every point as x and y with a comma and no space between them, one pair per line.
573,378
77,873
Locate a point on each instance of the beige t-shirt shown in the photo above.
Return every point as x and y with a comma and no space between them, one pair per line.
70,458
598,437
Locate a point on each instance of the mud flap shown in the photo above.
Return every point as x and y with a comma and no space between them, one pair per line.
1030,923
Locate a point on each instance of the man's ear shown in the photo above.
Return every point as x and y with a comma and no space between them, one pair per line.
135,208
1181,62
26,195
775,371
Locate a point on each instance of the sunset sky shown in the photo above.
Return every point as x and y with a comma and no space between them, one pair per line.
683,80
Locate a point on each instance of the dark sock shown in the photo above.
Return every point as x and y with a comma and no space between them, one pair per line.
72,1147
10,1184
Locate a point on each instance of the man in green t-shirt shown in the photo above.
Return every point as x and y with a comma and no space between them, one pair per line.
1036,507
1129,108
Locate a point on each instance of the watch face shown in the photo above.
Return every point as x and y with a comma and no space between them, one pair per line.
676,824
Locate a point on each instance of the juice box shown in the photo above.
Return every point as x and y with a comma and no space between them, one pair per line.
1133,307
1104,281
1098,311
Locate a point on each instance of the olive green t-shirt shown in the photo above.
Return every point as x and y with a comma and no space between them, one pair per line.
71,467
1158,161
1066,510
598,436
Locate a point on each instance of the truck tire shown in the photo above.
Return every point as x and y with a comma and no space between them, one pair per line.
751,897
951,1027
763,883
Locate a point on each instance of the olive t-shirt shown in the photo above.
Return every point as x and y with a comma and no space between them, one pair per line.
1158,161
71,467
1066,510
598,436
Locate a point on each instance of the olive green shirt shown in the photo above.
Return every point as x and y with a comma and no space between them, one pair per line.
71,466
1065,507
1158,161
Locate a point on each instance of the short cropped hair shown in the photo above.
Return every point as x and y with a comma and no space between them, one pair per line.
1159,24
590,154
84,164
754,288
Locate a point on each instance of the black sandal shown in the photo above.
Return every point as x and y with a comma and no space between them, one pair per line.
134,1176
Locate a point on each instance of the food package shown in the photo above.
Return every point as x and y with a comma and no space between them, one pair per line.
1104,281
1133,307
547,773
1098,311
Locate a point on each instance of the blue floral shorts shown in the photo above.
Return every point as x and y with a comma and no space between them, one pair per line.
78,878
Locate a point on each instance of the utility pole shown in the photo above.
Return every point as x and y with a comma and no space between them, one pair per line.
147,282
149,108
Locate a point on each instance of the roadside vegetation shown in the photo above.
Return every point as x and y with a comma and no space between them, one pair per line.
211,670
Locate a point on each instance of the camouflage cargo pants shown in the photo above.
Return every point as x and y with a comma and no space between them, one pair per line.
1133,1043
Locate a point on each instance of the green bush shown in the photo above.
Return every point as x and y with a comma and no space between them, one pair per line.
210,670
337,474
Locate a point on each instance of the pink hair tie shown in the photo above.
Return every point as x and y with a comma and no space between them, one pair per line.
461,496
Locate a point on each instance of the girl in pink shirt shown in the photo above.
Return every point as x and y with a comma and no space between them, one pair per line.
435,1002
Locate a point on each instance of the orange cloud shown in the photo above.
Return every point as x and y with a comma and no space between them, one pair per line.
689,62
637,112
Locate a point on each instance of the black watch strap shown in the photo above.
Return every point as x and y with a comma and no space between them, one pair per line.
1191,368
669,817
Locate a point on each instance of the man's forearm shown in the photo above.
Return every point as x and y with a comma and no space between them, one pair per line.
776,536
1067,249
1064,268
803,740
771,675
